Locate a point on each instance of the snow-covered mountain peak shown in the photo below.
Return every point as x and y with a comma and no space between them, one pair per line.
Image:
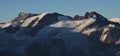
24,16
94,15
88,15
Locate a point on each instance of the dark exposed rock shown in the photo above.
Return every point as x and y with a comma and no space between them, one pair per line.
33,22
113,36
86,16
100,21
77,17
46,20
110,34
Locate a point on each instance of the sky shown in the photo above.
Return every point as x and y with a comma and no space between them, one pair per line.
9,9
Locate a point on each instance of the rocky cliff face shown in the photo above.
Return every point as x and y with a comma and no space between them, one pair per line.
54,34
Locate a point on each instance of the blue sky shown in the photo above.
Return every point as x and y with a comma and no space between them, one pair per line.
9,9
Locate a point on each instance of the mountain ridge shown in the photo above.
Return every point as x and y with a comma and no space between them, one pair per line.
54,34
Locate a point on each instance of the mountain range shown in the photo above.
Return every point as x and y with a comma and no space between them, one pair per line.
54,34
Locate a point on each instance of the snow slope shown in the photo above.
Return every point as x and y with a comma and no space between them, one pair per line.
28,21
5,25
115,19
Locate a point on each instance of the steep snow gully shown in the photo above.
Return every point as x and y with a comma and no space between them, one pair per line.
54,34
